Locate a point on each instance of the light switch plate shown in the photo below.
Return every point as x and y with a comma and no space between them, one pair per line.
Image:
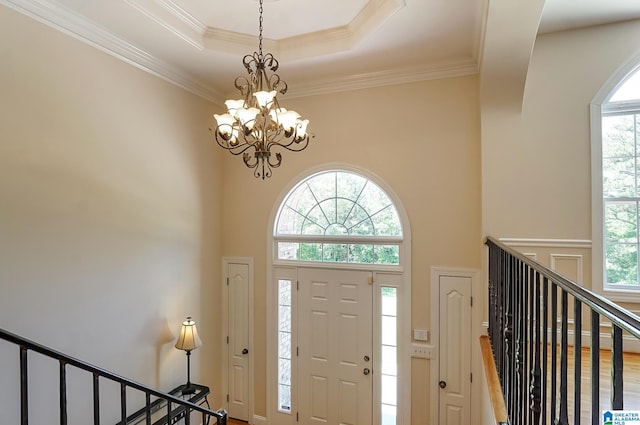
422,351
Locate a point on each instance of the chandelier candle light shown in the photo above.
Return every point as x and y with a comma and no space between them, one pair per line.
256,124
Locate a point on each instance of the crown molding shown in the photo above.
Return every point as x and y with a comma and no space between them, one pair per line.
172,18
383,78
65,20
310,45
59,17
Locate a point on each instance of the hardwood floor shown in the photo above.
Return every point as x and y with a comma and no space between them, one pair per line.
631,376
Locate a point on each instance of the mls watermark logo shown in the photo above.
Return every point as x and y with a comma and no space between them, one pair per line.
621,417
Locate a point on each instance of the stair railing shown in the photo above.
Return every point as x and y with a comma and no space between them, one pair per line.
524,297
176,408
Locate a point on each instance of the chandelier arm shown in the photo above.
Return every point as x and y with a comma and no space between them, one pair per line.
261,167
277,162
292,144
244,86
238,149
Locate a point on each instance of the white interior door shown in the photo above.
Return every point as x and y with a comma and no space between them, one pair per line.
335,347
238,342
455,350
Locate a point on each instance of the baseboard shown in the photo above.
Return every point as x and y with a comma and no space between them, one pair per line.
259,420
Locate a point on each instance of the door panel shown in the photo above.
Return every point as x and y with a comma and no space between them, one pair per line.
455,357
334,336
238,316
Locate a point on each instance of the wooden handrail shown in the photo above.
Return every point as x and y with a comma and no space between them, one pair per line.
493,382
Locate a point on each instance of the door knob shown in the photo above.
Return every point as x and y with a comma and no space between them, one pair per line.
443,384
366,371
245,351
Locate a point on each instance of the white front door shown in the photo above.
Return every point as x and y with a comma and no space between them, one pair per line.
238,340
455,350
335,347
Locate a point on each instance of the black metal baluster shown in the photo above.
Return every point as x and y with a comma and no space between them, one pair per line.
500,326
563,418
123,403
518,291
96,399
577,359
535,371
617,401
554,349
169,413
595,368
529,314
545,350
148,408
525,351
63,393
24,386
509,352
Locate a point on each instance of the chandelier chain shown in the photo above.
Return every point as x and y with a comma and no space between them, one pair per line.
260,37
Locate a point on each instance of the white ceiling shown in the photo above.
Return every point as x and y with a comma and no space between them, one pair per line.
322,45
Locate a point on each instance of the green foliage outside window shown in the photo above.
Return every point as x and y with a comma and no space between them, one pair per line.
339,204
620,183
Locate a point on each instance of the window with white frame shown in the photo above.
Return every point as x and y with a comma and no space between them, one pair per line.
620,184
338,217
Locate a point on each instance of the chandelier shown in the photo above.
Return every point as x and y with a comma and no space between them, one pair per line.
256,124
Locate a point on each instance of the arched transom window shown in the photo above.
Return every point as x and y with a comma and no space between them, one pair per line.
338,217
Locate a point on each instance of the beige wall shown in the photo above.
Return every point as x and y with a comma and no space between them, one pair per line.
421,139
110,195
536,165
111,205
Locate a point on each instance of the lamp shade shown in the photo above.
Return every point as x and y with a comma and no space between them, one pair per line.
188,339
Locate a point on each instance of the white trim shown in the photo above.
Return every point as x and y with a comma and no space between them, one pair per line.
577,257
547,243
342,266
65,20
597,256
404,304
259,420
388,77
61,18
225,330
477,295
614,81
340,239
